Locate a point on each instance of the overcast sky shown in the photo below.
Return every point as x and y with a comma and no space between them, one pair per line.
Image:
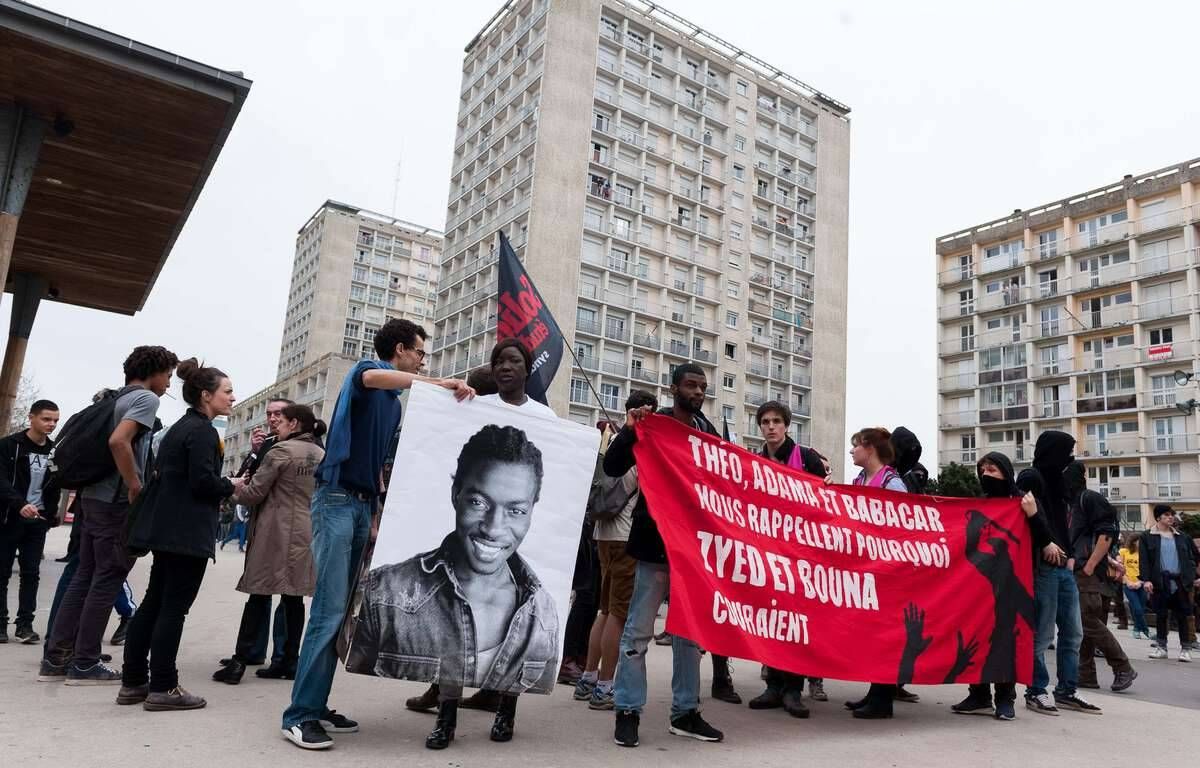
961,112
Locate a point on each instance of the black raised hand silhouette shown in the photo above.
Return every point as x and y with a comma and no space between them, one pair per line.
962,659
915,643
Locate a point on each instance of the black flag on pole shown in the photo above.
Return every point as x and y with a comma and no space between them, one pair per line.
521,314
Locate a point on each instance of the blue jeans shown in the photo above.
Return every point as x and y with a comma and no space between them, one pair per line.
1137,607
650,585
1056,605
341,523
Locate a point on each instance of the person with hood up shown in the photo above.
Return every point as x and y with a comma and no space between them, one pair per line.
996,477
1056,596
908,464
1093,530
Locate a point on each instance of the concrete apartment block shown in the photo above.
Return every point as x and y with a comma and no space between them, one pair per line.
1076,316
674,199
354,270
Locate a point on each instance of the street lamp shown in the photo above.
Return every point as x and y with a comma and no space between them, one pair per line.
1187,408
1183,377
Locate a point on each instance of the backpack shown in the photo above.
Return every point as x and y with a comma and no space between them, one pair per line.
81,456
607,497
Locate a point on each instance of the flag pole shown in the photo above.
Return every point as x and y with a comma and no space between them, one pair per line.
588,379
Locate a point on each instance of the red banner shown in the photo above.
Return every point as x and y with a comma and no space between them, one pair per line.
836,581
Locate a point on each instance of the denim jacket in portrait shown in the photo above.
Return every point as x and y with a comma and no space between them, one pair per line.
416,624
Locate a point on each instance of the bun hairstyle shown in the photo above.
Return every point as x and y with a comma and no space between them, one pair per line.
309,423
198,379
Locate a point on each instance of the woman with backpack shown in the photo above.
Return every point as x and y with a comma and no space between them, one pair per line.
176,520
279,557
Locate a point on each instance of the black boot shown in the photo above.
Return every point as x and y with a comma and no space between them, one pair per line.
877,705
426,702
443,731
722,685
506,718
487,701
281,671
793,702
772,698
118,635
231,673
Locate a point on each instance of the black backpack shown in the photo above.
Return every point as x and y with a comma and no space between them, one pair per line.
81,456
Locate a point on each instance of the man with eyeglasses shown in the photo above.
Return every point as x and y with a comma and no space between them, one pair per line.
349,484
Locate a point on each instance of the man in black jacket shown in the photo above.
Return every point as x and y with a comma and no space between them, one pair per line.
1055,593
26,512
652,581
1093,529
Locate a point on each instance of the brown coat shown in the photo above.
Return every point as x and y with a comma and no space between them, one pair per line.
279,554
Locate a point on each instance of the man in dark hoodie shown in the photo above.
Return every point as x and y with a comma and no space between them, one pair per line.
27,510
996,477
1093,529
1056,596
652,580
908,460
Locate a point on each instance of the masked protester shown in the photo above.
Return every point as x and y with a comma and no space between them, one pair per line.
1093,530
1056,596
996,477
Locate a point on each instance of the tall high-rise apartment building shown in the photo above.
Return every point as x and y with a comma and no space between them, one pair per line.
1076,316
353,270
674,199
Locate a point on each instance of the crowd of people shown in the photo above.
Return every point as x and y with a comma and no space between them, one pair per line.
309,496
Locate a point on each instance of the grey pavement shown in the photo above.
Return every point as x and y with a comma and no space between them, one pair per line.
54,725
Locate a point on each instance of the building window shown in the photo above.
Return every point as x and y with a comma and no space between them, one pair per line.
727,380
610,395
739,143
731,319
741,115
360,274
739,172
743,88
735,230
733,289
731,351
579,391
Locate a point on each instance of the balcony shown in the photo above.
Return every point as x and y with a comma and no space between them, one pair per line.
757,369
1007,297
637,373
966,456
1181,350
1111,401
647,340
957,381
1053,409
1162,399
1116,357
952,310
1163,444
957,419
1168,307
999,337
589,363
1109,446
616,332
590,327
801,379
1158,221
956,346
1155,491
954,275
1063,366
1110,233
1001,263
755,398
1113,274
1167,262
1001,415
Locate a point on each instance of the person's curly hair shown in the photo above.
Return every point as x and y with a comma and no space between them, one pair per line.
497,444
145,361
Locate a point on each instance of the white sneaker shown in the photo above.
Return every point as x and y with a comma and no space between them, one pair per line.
1185,655
1158,653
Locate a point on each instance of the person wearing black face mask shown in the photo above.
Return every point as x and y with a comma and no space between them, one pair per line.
995,473
1093,529
1056,596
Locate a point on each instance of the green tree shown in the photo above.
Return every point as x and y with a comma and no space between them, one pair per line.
956,480
1189,524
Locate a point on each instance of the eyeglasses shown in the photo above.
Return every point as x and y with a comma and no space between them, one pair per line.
420,353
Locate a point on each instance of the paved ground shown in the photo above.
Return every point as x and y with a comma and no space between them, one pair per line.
53,725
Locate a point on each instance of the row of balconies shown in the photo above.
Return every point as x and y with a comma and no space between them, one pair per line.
1075,243
780,284
1112,274
1156,310
481,67
1110,447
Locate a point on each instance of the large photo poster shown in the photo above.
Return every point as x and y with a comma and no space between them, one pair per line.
469,582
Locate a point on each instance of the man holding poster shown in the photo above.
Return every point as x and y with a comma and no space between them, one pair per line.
853,583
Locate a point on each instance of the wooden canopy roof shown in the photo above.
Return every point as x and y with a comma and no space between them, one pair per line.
109,197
